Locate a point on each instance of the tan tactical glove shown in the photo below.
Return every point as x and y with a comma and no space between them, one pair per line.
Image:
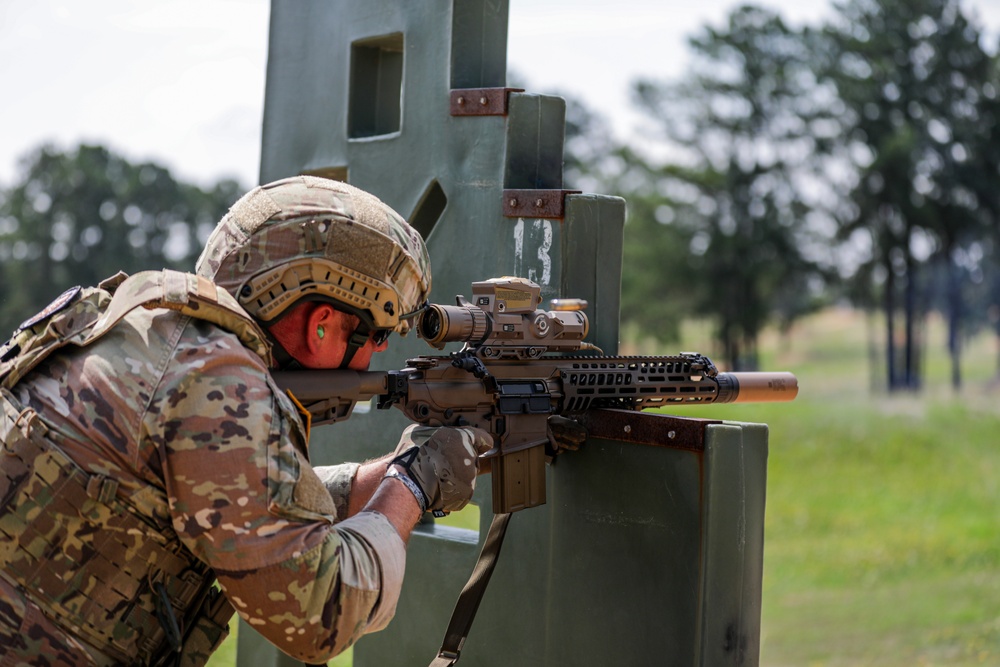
565,434
443,461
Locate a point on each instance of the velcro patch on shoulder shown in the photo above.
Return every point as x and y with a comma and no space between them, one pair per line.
60,302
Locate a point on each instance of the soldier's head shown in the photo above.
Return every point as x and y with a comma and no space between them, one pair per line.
321,265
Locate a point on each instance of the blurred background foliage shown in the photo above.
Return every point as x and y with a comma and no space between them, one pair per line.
791,168
76,217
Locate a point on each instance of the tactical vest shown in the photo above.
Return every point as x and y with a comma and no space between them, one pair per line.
68,540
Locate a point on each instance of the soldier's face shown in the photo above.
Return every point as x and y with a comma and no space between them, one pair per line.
331,355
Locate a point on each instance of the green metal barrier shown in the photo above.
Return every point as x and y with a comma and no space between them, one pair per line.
643,555
649,549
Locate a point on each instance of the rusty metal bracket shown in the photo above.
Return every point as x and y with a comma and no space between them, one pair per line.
647,429
535,203
481,101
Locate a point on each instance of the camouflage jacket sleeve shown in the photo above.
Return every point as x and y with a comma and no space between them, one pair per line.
338,481
245,499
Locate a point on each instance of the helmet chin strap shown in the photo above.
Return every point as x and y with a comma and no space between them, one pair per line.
355,342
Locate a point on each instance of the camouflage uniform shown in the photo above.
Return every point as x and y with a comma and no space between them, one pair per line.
201,445
189,423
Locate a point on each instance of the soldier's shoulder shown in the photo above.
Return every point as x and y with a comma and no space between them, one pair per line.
202,346
160,335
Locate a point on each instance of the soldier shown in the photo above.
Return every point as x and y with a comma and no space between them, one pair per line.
148,453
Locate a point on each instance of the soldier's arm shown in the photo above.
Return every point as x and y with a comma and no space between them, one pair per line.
352,485
367,481
245,500
396,503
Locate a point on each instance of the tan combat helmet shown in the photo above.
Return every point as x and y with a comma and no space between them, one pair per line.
314,239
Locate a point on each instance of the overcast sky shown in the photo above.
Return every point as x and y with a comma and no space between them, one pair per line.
181,82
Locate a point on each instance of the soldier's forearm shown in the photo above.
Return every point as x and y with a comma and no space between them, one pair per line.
394,501
366,483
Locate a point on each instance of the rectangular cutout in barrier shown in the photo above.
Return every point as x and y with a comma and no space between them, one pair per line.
376,87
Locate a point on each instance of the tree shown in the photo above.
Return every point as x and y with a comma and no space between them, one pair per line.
655,253
80,216
743,130
989,198
916,84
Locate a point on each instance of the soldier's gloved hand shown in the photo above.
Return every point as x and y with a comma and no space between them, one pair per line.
565,434
443,461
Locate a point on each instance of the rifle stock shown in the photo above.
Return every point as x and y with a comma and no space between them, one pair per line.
507,381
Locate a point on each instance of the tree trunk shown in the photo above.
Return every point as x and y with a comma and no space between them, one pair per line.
751,355
996,322
911,374
889,304
871,331
954,321
996,331
730,347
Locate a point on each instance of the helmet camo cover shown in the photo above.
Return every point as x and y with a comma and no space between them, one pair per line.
310,238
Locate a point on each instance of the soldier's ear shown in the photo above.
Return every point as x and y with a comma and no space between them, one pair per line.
323,328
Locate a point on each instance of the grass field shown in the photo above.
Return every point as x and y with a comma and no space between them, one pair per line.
882,535
882,538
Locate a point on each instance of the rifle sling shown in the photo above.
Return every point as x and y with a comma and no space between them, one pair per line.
472,594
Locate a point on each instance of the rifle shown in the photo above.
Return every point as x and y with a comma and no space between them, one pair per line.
519,365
